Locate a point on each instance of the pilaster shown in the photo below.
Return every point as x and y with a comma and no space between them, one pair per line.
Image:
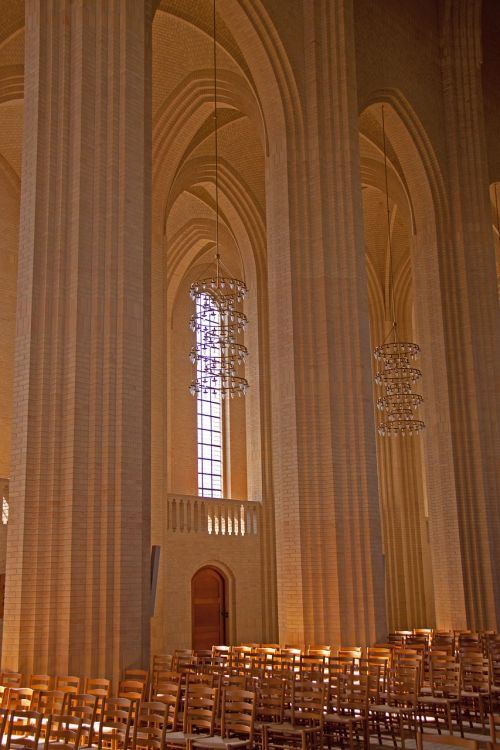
471,316
329,551
77,598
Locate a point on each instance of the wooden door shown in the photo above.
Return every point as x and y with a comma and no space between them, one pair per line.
208,609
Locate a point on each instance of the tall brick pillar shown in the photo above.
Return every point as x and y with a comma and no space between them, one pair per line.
79,529
330,571
471,317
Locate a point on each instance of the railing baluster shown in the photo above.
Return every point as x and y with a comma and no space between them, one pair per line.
187,514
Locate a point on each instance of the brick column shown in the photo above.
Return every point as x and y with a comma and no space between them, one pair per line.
79,529
471,317
329,555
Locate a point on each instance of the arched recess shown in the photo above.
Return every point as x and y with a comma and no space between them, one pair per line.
253,85
423,468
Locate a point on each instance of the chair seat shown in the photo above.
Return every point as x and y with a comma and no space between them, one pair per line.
387,709
289,728
181,738
344,718
217,741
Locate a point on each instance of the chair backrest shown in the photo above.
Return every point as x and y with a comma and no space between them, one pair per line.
353,652
312,667
337,664
67,683
170,695
320,650
307,703
50,702
11,679
99,686
403,685
444,677
25,727
63,732
374,672
140,675
353,692
150,725
475,673
184,660
132,689
40,681
238,713
270,696
424,740
19,699
200,708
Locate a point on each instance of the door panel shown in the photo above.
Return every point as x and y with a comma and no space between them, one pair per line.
208,609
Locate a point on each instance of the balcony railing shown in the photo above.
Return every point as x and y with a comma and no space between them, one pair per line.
203,515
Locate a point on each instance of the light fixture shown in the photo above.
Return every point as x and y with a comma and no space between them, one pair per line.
397,374
218,355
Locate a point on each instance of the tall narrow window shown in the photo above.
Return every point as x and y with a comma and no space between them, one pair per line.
209,402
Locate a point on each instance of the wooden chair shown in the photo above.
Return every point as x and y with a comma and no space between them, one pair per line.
159,663
115,724
184,660
347,713
150,725
101,688
63,732
38,682
48,702
425,741
304,728
494,659
270,704
83,707
475,688
198,718
399,709
23,730
237,722
445,687
169,693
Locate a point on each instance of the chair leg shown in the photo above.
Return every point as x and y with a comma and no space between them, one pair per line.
402,731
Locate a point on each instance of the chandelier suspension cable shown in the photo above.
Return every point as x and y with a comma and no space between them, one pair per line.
389,233
216,143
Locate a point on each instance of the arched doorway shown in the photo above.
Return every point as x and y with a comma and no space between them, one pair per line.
208,606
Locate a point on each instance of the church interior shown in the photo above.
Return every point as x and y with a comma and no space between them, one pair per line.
250,363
